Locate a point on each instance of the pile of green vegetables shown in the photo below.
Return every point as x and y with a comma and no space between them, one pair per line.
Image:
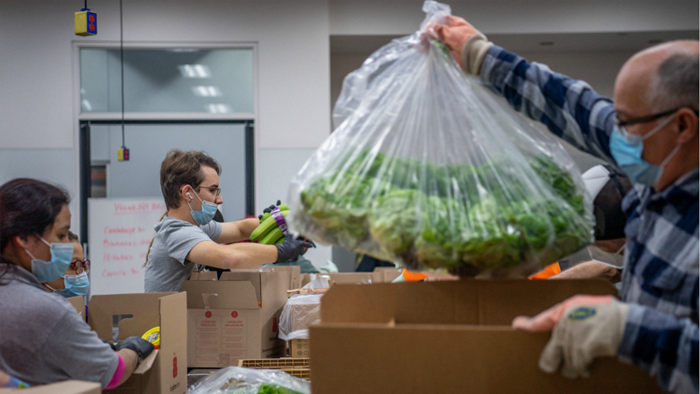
461,217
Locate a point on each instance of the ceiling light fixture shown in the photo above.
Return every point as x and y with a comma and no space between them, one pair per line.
194,71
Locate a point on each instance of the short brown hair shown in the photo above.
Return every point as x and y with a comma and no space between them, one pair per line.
182,168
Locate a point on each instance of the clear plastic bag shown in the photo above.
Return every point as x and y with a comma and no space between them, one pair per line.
317,281
235,380
428,167
298,314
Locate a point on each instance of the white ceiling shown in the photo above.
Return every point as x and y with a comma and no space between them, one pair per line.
546,42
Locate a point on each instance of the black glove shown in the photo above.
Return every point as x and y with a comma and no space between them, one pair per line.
292,248
141,346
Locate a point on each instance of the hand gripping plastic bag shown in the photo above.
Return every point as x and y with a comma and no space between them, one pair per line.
428,167
235,380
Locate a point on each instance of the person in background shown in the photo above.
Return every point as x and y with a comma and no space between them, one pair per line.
650,132
187,235
367,263
75,281
43,340
608,187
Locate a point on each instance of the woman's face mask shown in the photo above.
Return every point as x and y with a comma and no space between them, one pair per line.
75,285
48,271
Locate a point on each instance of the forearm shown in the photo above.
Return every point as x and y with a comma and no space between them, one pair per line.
590,270
247,226
662,345
569,108
247,255
131,361
237,231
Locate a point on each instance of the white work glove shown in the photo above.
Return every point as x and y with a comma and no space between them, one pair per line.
584,327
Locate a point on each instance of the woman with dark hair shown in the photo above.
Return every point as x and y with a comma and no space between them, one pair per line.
42,339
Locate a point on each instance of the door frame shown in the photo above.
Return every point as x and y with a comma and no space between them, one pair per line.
163,118
85,162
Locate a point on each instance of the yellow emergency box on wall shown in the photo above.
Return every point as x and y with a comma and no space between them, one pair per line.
85,23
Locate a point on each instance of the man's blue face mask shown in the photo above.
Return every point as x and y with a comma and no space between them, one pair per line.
206,214
627,150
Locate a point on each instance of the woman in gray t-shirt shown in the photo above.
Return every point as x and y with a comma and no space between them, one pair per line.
42,338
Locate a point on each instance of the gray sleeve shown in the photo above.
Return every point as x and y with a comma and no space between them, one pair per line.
75,350
180,242
212,229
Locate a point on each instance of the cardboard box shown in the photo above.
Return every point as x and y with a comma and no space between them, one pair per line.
79,305
66,387
388,274
234,318
304,310
450,337
350,278
379,275
299,348
294,273
164,371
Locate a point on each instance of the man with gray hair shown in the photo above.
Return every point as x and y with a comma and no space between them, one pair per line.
649,131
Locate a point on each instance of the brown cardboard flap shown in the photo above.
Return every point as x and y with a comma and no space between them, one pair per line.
450,359
273,288
203,275
455,302
79,305
386,274
229,294
294,272
65,387
146,364
355,277
250,275
173,320
501,301
143,306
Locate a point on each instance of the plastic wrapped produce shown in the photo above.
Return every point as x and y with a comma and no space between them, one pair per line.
235,380
428,167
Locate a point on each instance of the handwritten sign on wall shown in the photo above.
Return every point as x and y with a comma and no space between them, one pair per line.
120,231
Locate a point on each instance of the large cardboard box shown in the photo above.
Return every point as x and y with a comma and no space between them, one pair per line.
165,370
304,311
299,348
450,337
235,317
66,387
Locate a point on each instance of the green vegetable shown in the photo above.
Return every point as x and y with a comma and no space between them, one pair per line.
459,217
275,389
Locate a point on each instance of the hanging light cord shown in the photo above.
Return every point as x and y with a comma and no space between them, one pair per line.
121,55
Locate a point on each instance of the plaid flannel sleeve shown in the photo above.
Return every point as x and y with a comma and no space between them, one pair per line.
663,346
569,108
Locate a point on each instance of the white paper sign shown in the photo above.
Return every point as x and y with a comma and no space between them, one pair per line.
120,232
